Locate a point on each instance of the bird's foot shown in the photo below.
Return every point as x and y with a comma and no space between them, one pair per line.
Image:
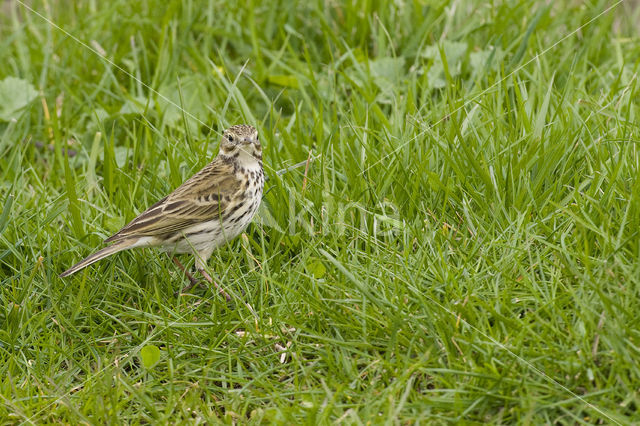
193,281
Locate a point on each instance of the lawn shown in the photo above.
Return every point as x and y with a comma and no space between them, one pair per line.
462,246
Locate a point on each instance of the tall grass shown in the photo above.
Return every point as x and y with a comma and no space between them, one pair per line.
464,247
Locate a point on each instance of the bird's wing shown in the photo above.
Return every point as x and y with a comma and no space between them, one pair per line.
205,196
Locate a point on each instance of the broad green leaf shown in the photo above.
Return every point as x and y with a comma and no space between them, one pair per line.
453,52
136,105
387,69
488,58
15,94
386,73
194,96
149,355
316,268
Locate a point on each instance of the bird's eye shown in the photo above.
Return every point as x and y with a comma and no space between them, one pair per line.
230,138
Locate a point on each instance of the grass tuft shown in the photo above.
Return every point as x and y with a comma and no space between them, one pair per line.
463,248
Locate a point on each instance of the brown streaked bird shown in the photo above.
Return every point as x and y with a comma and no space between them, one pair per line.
212,207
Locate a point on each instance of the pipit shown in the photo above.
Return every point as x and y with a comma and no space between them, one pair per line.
209,209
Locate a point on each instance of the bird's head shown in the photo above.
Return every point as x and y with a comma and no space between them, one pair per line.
241,141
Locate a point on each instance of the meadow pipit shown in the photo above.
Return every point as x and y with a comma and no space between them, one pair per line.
206,211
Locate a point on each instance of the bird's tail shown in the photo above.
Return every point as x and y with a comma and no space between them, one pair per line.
100,254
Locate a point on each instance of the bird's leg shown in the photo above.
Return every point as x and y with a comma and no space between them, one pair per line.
211,281
193,280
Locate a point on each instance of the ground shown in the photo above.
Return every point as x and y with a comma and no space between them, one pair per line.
462,248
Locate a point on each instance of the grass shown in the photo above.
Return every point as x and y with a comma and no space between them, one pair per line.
464,249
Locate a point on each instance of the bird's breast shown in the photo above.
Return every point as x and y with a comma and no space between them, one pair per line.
252,177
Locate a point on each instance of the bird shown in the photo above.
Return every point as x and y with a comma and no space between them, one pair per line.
208,210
